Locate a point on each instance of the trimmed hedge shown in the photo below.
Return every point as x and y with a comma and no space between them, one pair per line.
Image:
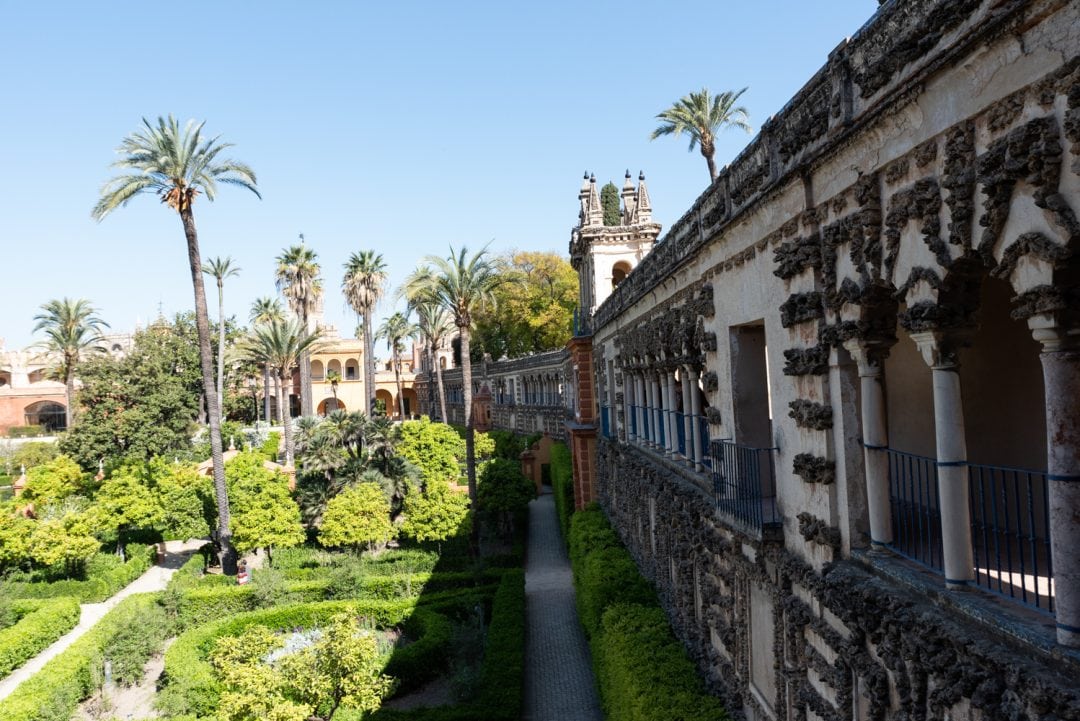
190,685
99,586
206,603
54,691
41,623
642,671
562,486
501,671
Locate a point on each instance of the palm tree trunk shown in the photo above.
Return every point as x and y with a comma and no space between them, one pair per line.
397,380
442,393
709,153
69,390
369,363
266,394
206,360
470,439
286,421
221,347
305,376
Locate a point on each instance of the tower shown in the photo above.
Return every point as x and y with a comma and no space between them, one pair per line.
603,255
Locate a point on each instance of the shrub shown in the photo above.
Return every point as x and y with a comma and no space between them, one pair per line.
607,576
99,585
26,431
422,660
132,645
32,454
271,445
589,532
643,671
562,486
357,516
54,691
508,445
503,488
40,623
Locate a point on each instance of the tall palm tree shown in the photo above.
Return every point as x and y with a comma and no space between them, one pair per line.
220,269
435,327
396,330
281,344
178,164
298,279
702,116
461,284
363,285
264,310
71,327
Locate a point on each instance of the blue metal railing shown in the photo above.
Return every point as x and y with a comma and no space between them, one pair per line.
706,447
633,421
1010,533
663,429
605,424
916,509
744,483
680,433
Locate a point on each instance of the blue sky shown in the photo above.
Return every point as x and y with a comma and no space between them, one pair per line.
403,127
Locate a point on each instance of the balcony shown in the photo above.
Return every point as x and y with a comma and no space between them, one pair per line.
744,485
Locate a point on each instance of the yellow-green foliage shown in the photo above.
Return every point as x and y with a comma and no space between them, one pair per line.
360,515
264,515
54,481
42,622
562,486
435,514
435,448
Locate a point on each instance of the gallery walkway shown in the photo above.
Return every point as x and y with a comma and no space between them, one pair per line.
559,682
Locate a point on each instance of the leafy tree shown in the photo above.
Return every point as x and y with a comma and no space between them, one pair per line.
63,545
358,515
298,280
533,309
363,286
123,504
253,690
265,515
186,498
144,404
435,514
71,328
178,165
396,330
16,531
435,448
221,268
33,454
282,345
609,201
55,481
702,116
505,491
462,284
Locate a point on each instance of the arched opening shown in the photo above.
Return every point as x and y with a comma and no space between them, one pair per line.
36,376
442,362
5,379
352,370
408,397
317,373
385,399
329,405
334,366
48,414
619,272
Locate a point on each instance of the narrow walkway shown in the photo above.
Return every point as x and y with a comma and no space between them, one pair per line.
559,683
155,579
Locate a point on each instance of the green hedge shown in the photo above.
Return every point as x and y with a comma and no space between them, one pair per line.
99,586
642,671
54,691
41,623
191,687
562,485
501,671
205,603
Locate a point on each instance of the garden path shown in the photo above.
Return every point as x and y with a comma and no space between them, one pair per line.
155,579
559,683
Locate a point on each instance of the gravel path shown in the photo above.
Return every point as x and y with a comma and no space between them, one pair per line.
559,683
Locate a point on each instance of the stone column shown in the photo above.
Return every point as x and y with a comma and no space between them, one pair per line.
688,425
695,407
646,411
670,443
654,409
870,358
1061,377
628,405
940,352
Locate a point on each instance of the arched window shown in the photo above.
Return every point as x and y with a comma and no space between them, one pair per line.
334,366
352,370
48,414
619,272
316,370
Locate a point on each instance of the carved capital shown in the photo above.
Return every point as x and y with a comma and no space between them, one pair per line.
941,349
869,355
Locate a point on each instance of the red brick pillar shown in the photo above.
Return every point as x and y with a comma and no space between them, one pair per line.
581,432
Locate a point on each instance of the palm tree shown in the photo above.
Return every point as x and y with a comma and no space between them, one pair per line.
264,310
281,345
396,330
298,279
702,116
220,269
71,328
179,164
461,284
363,285
435,327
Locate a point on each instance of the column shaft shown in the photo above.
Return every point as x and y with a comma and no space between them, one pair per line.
695,406
952,477
875,443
